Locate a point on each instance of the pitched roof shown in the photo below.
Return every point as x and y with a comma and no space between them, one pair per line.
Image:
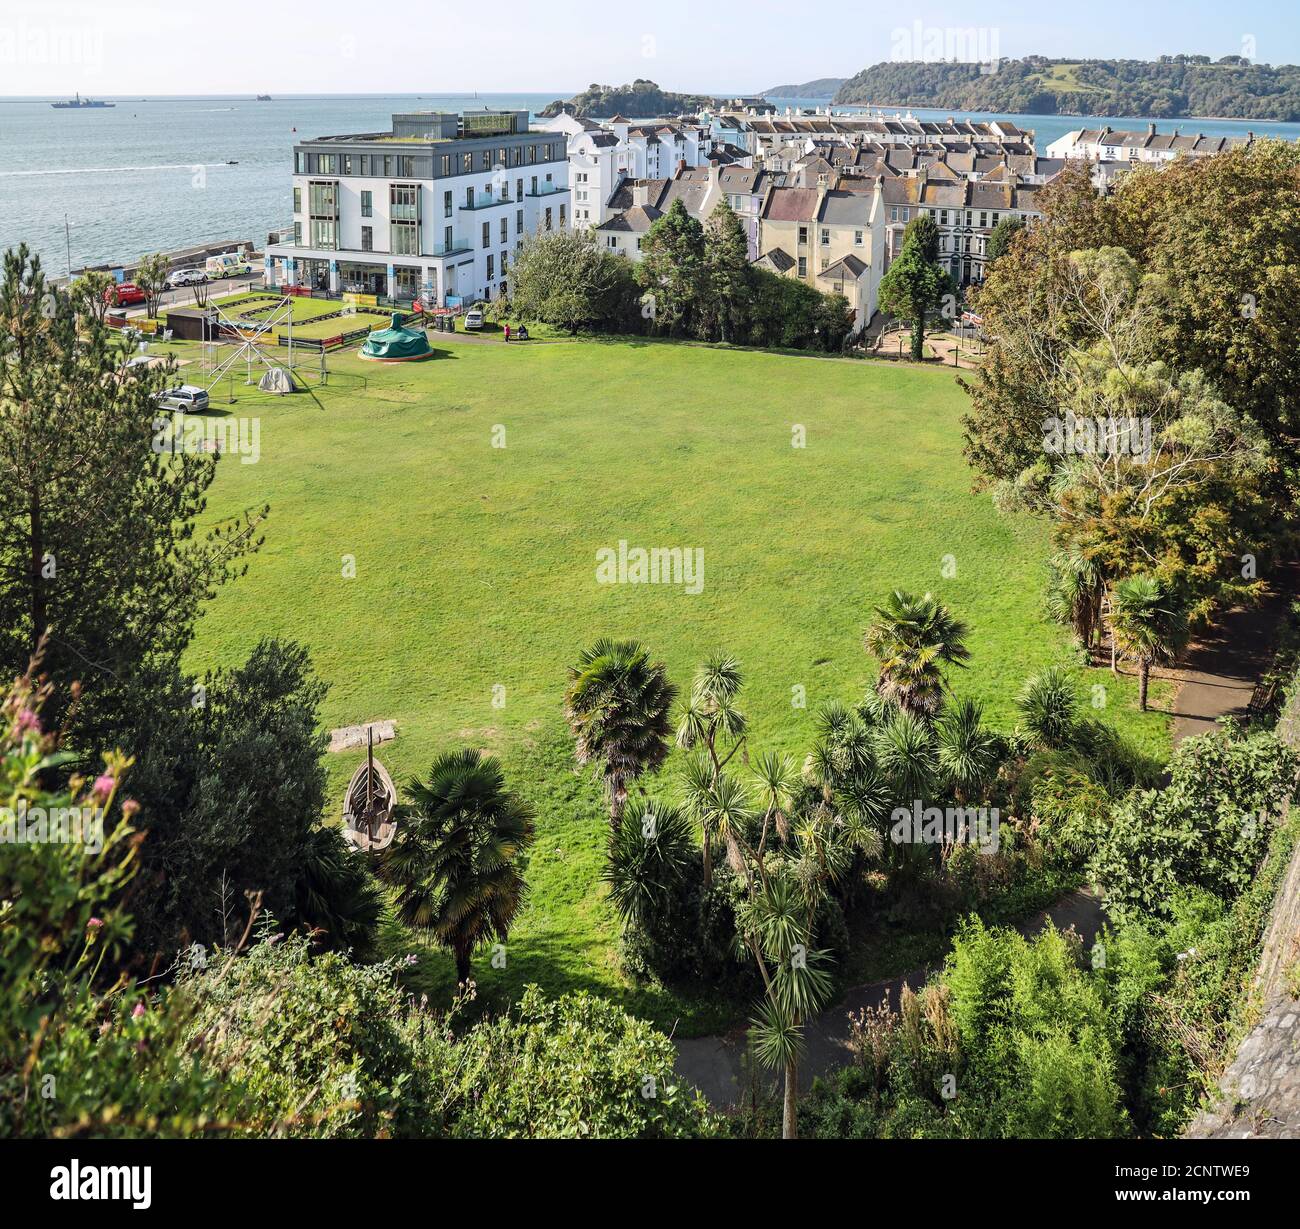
848,265
790,205
778,260
636,220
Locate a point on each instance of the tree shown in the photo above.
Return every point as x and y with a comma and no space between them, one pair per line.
915,286
970,754
1074,594
710,719
1149,625
1004,234
923,230
98,538
455,859
562,277
912,638
618,706
647,859
89,293
1049,707
151,277
672,270
725,280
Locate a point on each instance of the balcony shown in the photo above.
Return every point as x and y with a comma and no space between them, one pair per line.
485,200
547,189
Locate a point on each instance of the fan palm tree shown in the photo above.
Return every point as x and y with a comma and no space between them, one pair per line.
1149,626
618,705
455,859
912,638
1074,594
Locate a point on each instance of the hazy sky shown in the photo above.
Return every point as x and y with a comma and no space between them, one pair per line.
334,46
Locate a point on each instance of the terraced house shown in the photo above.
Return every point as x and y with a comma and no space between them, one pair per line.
1115,144
966,211
830,238
433,209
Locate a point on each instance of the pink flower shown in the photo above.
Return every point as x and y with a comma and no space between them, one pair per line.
94,923
137,1011
28,722
103,787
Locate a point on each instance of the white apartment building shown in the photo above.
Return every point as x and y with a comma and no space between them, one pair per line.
434,208
602,156
1113,144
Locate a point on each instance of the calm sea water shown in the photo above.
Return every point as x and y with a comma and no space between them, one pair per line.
162,173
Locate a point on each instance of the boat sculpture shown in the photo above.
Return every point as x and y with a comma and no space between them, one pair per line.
369,803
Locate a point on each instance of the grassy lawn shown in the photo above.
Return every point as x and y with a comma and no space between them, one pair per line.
475,569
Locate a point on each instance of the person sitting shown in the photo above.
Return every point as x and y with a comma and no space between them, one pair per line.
523,332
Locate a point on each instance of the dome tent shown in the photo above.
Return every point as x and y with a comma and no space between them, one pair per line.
396,344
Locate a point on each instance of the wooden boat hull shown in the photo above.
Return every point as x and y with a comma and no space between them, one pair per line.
368,807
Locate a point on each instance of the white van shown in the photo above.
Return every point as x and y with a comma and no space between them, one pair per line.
228,264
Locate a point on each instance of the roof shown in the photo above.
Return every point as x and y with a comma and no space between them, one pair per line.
846,266
636,220
790,205
778,260
845,208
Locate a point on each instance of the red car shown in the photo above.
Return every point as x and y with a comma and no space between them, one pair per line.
124,294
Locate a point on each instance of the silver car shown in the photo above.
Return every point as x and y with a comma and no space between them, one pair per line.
186,397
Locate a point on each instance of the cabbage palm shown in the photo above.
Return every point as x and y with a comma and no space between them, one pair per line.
618,706
455,859
647,858
709,719
1049,707
906,754
969,753
913,638
1149,625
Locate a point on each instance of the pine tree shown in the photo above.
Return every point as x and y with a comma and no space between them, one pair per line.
672,270
726,275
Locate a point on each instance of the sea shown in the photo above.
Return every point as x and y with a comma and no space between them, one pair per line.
105,186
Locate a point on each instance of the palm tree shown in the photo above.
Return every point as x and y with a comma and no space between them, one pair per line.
618,705
969,753
1049,706
1074,594
647,859
710,719
912,638
455,859
1148,625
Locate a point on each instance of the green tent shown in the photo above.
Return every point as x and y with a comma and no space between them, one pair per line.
396,344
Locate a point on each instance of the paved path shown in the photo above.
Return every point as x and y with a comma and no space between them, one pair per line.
1219,674
713,1064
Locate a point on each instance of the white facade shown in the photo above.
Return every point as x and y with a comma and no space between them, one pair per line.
436,214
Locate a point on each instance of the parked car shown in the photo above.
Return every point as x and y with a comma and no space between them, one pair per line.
186,397
124,294
473,319
186,277
228,264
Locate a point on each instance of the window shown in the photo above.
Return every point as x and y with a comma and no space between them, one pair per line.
984,218
406,166
826,260
466,163
491,267
297,234
826,237
323,214
505,257
388,165
548,219
448,243
487,233
519,222
893,213
367,204
533,188
446,204
469,198
445,164
297,200
367,238
347,164
803,266
582,176
857,238
532,153
485,159
505,229
561,217
404,219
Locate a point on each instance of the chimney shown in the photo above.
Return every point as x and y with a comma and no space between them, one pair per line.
681,165
823,181
640,194
1151,130
1250,138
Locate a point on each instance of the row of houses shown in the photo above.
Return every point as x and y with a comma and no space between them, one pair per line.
436,207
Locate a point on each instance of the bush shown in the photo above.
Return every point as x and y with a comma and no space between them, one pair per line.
1208,829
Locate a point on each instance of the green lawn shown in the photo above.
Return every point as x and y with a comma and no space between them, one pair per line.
476,567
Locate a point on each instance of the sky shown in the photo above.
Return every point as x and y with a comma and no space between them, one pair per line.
56,47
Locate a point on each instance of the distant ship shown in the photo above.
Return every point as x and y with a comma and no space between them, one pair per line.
264,98
77,103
